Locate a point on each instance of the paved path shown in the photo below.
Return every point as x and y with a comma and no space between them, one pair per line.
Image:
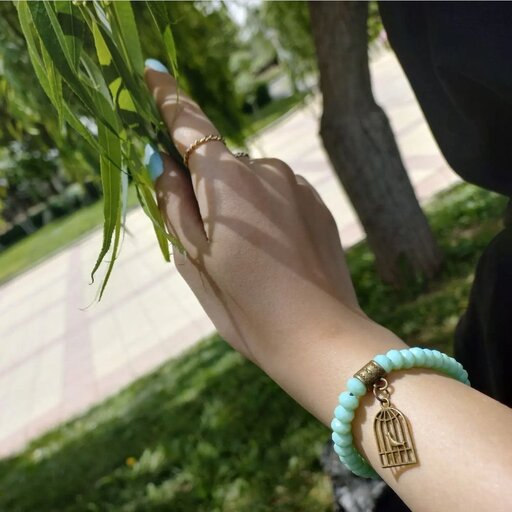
57,359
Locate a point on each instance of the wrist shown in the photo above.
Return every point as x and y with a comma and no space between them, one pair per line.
313,369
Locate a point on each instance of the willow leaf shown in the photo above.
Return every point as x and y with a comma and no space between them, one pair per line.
55,85
128,38
73,28
26,25
111,184
153,212
160,16
115,251
146,200
53,38
102,50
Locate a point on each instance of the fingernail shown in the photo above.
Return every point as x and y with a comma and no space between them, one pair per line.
153,161
156,65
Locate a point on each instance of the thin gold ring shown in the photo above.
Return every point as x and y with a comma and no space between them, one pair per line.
200,142
241,154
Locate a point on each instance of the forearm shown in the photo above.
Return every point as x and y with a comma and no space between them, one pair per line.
462,437
263,256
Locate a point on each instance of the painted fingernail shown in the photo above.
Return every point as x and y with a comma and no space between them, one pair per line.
156,65
153,161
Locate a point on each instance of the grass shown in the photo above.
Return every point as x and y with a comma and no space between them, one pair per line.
271,113
52,238
48,240
209,432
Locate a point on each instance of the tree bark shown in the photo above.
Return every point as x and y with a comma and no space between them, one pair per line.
361,146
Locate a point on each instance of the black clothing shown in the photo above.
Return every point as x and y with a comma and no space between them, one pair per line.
457,57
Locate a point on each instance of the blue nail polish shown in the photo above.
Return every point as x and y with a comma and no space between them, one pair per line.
156,65
153,161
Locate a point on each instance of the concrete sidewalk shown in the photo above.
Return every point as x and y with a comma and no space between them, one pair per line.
57,359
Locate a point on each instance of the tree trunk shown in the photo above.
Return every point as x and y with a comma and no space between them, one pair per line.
362,149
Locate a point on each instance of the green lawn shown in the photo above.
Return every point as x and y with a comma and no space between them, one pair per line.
48,240
271,113
209,432
52,238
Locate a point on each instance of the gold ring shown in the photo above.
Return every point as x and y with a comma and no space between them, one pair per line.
200,142
241,154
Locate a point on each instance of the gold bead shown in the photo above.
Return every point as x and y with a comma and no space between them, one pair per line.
370,373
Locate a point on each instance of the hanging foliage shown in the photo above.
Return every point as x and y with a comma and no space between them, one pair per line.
102,96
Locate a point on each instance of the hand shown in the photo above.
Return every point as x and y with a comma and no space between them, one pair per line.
264,259
263,255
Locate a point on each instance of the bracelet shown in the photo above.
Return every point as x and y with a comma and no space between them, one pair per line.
391,428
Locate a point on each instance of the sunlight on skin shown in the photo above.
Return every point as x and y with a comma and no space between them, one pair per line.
281,295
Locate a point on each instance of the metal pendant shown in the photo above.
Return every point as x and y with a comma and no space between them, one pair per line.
392,431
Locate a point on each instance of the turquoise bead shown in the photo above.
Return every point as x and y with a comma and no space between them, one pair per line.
448,365
396,358
384,361
349,401
343,451
343,415
371,473
429,358
356,387
336,425
343,439
419,356
352,459
438,359
362,470
337,449
408,358
343,428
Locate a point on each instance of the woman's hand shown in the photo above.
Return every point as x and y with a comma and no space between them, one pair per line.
263,255
264,258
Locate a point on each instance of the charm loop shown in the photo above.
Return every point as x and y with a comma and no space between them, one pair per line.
381,392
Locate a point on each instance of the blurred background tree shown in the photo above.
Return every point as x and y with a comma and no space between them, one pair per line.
38,159
328,42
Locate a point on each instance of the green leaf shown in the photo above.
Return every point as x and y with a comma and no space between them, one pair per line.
160,15
110,165
102,51
150,208
73,28
127,34
115,251
55,85
51,34
148,202
39,68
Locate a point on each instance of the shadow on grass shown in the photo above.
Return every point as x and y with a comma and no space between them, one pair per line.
207,432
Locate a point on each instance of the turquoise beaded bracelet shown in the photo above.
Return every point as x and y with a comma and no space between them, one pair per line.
391,428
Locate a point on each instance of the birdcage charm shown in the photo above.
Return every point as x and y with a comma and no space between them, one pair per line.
392,432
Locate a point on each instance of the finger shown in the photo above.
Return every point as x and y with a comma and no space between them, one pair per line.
178,204
273,168
185,121
303,182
